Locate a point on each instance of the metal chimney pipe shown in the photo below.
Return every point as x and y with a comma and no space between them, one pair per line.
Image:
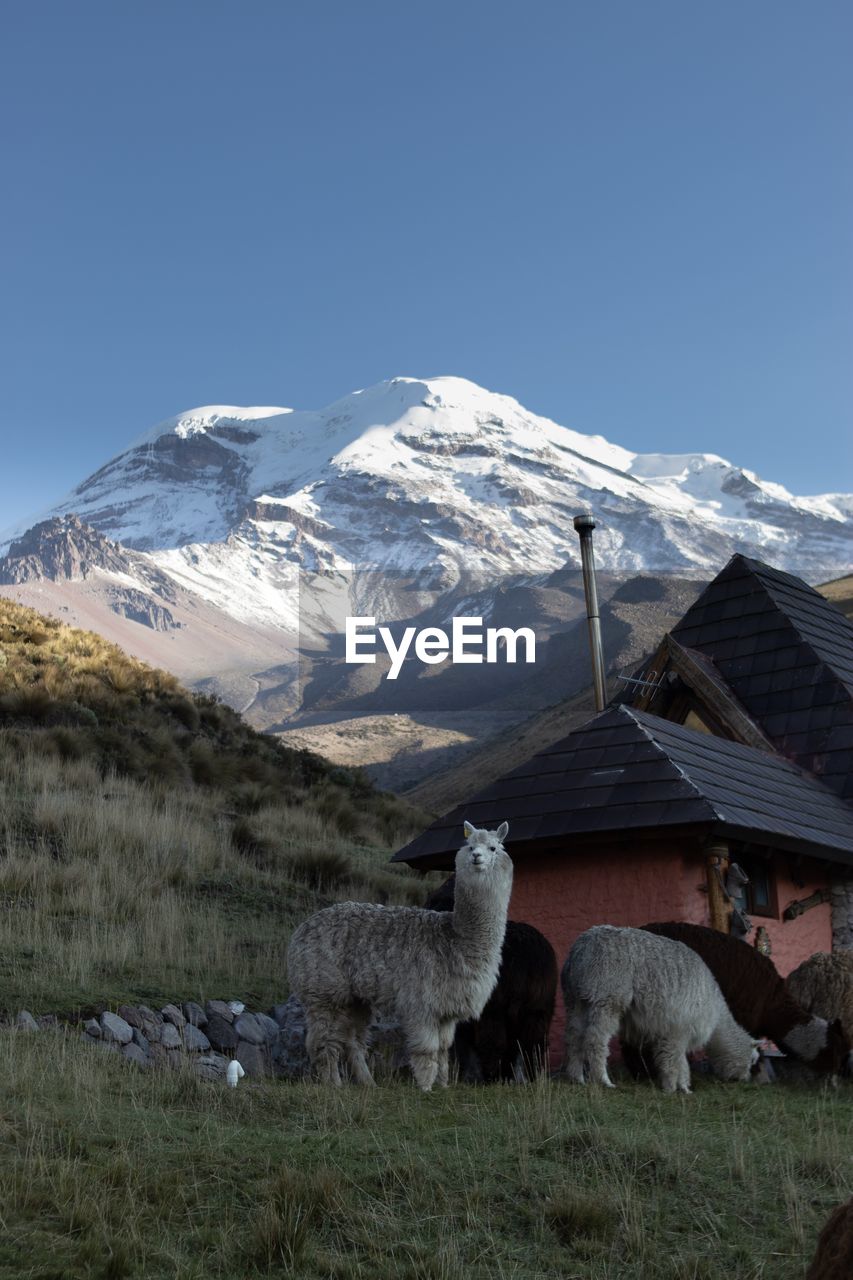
584,525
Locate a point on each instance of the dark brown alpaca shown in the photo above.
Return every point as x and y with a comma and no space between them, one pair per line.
758,998
518,1013
833,1259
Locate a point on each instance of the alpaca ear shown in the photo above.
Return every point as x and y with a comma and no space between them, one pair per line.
502,831
468,830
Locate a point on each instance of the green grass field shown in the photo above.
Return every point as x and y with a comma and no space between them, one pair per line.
109,1172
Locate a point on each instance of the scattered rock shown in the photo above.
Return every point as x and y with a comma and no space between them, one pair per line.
252,1058
220,1033
195,1041
170,1036
289,1056
151,1023
211,1066
26,1022
171,1013
141,1040
92,1028
248,1028
194,1013
168,1058
133,1017
268,1025
281,1013
219,1009
114,1028
133,1053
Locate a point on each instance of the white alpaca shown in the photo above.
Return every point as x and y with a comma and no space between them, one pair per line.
658,993
427,969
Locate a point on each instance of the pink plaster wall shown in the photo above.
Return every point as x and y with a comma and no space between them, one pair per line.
564,895
795,940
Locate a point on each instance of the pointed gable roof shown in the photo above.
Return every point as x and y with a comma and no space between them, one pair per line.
630,771
787,655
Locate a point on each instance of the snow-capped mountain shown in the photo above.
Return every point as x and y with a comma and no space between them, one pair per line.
410,474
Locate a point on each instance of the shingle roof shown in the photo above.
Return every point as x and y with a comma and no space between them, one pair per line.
787,654
628,771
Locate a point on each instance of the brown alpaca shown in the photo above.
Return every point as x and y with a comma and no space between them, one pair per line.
512,1030
823,984
833,1258
759,1000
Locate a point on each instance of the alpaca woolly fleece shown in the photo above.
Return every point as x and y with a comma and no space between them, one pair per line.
426,969
657,992
762,1002
823,985
509,1039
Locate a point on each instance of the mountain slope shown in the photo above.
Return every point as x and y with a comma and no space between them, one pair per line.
411,474
225,541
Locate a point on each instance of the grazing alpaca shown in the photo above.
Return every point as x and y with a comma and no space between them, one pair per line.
518,1013
823,985
833,1258
427,969
759,999
656,992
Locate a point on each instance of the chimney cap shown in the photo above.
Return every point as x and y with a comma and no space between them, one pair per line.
584,522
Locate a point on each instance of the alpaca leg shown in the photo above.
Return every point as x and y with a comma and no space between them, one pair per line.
532,1042
446,1033
468,1063
324,1041
356,1044
602,1026
671,1062
577,1017
424,1051
684,1075
490,1041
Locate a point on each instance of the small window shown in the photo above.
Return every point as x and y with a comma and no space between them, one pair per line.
694,721
756,898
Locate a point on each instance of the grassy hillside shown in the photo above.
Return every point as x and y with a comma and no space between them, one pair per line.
840,592
153,845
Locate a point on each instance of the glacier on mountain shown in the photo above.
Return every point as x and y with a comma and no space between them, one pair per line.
412,474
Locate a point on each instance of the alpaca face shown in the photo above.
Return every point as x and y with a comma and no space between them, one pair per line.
482,849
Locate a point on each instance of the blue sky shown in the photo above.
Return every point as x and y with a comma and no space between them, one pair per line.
635,218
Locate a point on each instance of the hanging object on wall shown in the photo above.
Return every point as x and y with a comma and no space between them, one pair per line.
795,909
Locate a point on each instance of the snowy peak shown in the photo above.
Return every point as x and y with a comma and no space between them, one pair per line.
223,421
435,473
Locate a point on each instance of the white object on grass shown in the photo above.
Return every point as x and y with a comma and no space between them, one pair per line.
234,1072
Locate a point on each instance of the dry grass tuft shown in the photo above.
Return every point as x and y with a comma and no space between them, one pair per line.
152,845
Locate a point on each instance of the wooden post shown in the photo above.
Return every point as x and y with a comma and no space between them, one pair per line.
717,864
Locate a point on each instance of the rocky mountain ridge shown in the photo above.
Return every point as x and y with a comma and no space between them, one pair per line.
226,540
432,474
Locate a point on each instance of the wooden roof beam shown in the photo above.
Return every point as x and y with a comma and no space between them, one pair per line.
700,675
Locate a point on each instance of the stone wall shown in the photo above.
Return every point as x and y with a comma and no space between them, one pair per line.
205,1039
842,913
189,1036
